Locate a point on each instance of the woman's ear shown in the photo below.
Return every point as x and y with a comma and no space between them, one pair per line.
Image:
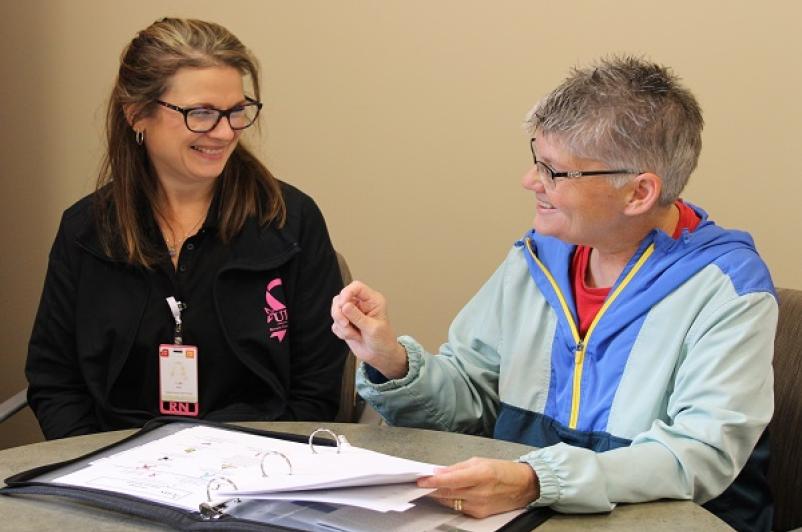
644,193
131,112
128,111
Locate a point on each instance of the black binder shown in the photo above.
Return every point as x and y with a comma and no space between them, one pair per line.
232,514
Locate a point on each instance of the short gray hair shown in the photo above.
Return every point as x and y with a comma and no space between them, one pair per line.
628,113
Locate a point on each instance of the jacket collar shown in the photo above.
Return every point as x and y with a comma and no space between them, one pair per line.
255,247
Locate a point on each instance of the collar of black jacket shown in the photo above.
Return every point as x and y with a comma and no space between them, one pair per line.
255,247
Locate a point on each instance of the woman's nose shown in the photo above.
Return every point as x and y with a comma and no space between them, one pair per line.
531,180
222,130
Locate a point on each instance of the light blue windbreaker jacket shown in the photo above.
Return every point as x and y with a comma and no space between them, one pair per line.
666,396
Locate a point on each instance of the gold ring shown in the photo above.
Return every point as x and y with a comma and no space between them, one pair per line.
457,504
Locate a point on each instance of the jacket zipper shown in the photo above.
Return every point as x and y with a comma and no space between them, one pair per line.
580,344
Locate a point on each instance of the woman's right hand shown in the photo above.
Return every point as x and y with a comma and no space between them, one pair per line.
360,318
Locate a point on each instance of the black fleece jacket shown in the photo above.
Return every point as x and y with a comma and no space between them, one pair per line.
92,307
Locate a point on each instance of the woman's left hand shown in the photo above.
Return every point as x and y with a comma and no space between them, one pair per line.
484,486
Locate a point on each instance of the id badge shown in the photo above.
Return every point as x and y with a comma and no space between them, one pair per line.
178,380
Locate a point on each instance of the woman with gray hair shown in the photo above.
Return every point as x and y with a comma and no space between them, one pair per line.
627,337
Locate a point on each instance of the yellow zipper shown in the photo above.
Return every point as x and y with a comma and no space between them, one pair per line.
581,343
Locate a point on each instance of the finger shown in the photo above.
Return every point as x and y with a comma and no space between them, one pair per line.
336,311
357,291
437,478
345,297
335,306
356,317
465,464
445,501
347,333
459,478
449,494
450,503
349,293
363,296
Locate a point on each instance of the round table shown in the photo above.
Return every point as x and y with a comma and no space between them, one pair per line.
48,513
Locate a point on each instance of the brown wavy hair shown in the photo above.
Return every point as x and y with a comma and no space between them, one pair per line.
127,184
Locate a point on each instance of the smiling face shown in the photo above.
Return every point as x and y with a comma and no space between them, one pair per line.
586,210
180,157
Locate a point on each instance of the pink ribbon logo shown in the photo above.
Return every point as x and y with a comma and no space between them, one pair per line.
276,311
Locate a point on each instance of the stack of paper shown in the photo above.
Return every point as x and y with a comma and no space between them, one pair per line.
179,469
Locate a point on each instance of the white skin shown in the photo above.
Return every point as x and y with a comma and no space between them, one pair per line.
589,211
188,164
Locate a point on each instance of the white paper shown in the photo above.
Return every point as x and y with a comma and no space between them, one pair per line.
352,467
426,515
392,497
177,469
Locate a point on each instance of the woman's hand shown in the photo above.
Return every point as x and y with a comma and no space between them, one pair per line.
484,486
360,318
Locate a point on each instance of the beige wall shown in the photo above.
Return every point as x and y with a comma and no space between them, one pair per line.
402,119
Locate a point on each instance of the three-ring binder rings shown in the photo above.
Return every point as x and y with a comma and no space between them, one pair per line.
195,475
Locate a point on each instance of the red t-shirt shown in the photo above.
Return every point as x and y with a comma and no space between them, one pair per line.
589,300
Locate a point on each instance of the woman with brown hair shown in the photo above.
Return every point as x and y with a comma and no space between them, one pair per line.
191,282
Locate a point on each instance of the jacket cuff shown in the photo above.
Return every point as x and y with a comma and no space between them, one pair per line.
550,489
414,359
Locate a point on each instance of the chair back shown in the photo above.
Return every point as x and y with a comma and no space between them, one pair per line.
349,401
785,466
13,404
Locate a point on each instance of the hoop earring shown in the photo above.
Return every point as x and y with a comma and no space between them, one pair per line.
139,136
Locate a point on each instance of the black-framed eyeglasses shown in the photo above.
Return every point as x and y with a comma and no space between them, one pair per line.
550,176
205,119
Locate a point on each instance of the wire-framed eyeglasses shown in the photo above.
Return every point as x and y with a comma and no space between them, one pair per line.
550,176
205,119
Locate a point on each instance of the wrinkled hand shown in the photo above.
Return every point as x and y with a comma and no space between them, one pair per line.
486,486
360,318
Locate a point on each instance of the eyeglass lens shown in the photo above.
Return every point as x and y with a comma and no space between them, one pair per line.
543,171
545,174
202,120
